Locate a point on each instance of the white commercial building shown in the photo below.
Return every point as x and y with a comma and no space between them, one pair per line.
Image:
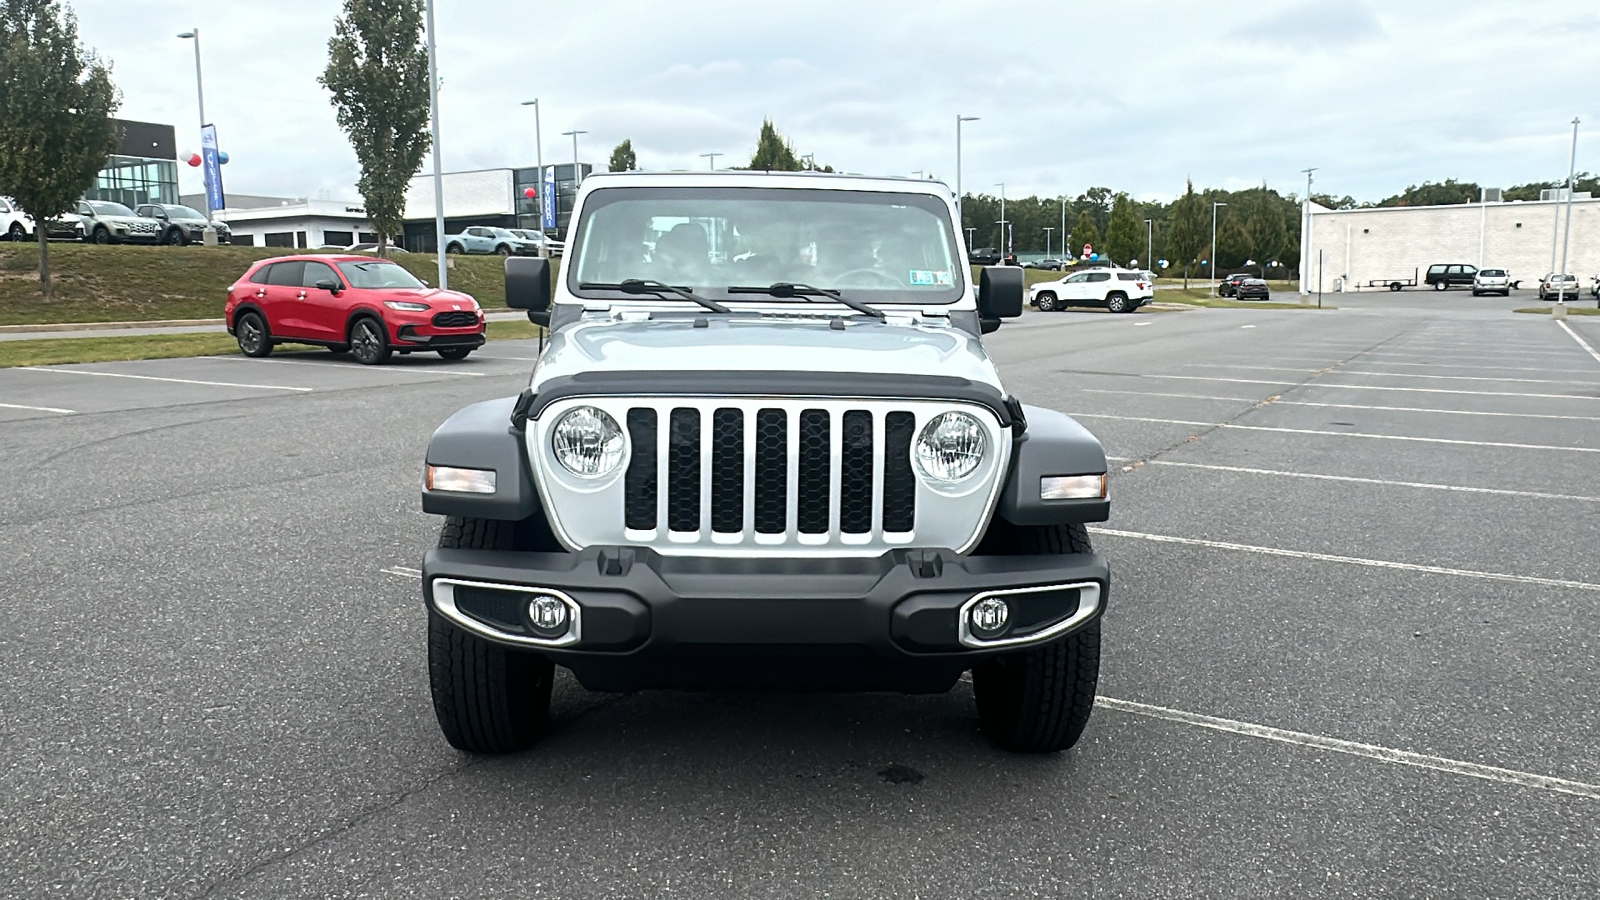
1365,249
293,222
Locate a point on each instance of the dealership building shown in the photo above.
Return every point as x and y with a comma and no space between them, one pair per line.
496,198
1365,249
143,168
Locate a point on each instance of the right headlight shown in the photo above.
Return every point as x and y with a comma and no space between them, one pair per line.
587,442
950,448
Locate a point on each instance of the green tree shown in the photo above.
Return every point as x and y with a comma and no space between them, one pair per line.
1084,232
378,75
622,158
1268,236
1233,244
1430,194
1187,234
56,102
773,152
1124,236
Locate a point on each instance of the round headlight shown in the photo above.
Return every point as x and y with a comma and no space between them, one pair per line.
950,447
587,442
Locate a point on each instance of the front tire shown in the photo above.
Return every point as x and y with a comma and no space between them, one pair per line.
252,334
452,248
455,353
176,238
502,250
101,236
369,342
1046,302
1038,700
17,232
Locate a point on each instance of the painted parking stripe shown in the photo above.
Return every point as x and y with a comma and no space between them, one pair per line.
64,412
1581,342
1356,434
1344,371
1348,560
1158,394
1426,409
1354,387
1355,748
327,367
57,370
402,572
1539,495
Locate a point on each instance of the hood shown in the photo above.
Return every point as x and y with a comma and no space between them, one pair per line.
437,297
765,345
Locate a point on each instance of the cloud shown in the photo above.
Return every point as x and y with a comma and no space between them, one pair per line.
1325,24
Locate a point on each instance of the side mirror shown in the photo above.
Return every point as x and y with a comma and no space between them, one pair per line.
999,294
528,287
329,285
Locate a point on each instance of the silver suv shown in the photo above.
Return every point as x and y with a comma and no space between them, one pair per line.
764,448
1491,281
105,222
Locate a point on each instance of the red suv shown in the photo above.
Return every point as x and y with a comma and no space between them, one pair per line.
370,307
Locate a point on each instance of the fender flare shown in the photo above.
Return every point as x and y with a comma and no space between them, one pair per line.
482,436
1053,444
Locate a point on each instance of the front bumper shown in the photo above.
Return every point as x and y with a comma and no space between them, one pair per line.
643,620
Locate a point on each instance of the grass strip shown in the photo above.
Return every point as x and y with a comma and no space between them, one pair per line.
1571,310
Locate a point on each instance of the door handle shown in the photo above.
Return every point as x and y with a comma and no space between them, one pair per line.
300,296
260,293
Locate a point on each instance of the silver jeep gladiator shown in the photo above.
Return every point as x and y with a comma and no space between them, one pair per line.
764,449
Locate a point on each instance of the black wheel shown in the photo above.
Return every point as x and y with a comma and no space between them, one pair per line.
369,342
1440,286
1046,302
1118,303
251,332
176,237
17,232
1394,285
1477,293
455,352
101,236
452,248
489,698
502,250
1039,700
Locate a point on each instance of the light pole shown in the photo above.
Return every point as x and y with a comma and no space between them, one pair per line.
1149,244
969,237
811,161
438,170
538,140
959,120
200,94
1305,241
1064,252
1566,236
1047,230
713,158
1005,250
1213,272
577,176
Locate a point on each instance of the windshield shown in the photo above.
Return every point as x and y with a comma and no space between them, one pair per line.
107,208
878,247
378,275
1492,273
503,232
527,235
182,212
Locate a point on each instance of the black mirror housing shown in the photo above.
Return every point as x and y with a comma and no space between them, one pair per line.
528,287
329,285
1000,293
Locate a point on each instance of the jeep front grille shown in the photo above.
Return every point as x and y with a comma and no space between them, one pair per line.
797,476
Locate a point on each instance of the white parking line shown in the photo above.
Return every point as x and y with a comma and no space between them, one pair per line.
1452,412
60,371
1356,434
1581,342
65,412
1368,387
1349,560
1350,478
1158,394
1343,371
402,571
1354,748
332,367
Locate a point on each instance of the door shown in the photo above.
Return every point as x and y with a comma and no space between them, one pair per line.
480,240
323,312
1095,287
1075,288
282,304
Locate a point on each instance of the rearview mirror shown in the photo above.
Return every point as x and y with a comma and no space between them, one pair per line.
528,287
999,294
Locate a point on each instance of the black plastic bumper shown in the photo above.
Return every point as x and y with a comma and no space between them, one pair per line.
879,623
408,335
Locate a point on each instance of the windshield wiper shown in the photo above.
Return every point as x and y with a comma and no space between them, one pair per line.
653,288
803,291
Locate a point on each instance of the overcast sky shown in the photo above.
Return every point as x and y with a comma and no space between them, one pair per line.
1133,95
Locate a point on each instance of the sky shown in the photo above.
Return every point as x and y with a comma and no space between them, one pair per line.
1135,95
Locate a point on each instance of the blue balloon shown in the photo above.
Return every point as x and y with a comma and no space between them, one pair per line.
1094,256
222,157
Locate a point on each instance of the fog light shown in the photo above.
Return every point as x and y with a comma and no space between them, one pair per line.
1072,487
548,615
989,617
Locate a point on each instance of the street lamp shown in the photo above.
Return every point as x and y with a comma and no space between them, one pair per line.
438,171
916,173
711,156
1305,243
210,233
1003,223
811,161
1149,243
538,140
959,120
1047,230
1566,236
577,175
1213,273
1064,252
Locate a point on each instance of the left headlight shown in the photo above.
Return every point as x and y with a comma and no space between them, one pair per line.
587,442
951,447
406,304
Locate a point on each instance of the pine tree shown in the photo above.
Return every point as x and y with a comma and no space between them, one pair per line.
773,153
622,158
56,102
378,75
1187,234
1124,237
1084,232
1233,244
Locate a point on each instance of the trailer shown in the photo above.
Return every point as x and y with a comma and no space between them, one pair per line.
1395,284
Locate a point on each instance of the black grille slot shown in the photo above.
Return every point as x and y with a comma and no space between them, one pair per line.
683,470
899,485
455,319
727,471
772,471
855,473
639,484
812,507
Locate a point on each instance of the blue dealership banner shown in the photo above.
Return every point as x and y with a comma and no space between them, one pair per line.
211,166
547,198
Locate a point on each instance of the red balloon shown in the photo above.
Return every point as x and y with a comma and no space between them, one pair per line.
194,159
529,193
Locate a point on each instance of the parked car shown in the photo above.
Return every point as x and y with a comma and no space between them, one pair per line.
370,247
1053,265
483,239
1557,286
985,256
1444,276
14,223
107,222
1230,285
1252,289
183,224
1491,281
1118,290
370,307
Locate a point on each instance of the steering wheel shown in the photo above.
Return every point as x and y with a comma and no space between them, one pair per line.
875,273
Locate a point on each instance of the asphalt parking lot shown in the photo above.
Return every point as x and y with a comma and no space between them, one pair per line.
1350,649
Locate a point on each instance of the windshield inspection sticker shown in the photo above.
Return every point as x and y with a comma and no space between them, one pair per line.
922,276
942,278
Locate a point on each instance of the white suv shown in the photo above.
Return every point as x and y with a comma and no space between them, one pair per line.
1491,281
14,224
1118,290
